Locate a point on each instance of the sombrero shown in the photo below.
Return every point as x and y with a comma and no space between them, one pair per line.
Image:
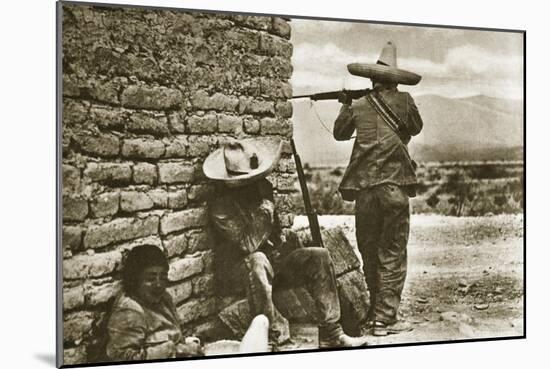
240,162
385,68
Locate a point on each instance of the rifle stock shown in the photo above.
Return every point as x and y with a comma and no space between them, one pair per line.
333,95
310,212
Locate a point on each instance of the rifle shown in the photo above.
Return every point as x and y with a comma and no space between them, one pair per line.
310,212
333,95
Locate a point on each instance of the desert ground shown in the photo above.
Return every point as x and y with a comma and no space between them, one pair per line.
465,279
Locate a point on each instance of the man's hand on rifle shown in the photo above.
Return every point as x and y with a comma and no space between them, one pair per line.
344,98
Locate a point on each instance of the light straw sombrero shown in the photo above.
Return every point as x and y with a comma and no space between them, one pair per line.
240,162
385,68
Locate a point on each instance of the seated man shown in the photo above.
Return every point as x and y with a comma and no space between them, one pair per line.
252,251
143,323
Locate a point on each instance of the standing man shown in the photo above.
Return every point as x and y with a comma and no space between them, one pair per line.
380,178
251,252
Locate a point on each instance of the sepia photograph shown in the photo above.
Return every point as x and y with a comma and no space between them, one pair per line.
235,184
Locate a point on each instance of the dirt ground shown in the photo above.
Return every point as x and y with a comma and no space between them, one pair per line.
465,279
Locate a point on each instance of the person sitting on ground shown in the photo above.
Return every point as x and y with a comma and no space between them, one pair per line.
251,252
143,323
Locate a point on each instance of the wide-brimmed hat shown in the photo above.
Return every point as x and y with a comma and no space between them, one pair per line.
385,68
240,162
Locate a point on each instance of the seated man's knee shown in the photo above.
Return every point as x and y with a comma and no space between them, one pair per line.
258,262
319,256
320,253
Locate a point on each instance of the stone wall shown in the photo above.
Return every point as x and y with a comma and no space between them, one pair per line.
147,94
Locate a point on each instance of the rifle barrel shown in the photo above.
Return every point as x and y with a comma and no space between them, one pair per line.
333,95
310,212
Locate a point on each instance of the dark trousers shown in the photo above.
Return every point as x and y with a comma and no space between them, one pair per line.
309,267
382,229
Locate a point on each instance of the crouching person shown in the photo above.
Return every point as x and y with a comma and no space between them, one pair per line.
251,250
143,323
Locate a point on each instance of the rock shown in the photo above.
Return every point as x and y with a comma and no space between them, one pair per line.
190,218
184,268
177,199
280,27
142,148
176,173
108,173
149,97
483,306
97,265
195,309
72,238
176,245
73,297
131,201
354,301
153,123
71,179
180,292
98,145
341,252
74,208
230,124
204,125
76,355
177,148
77,325
464,290
103,293
222,347
448,315
145,173
106,204
121,229
273,126
466,330
237,317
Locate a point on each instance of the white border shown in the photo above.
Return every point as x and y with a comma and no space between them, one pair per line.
28,182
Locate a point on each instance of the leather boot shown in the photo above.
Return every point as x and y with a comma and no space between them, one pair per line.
383,329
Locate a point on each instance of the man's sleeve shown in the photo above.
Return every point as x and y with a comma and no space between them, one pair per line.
343,126
414,122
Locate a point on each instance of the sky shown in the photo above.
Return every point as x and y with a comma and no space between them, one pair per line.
452,62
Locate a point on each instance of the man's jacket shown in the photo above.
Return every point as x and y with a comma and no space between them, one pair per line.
380,155
137,331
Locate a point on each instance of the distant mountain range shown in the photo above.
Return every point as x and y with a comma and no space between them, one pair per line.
460,129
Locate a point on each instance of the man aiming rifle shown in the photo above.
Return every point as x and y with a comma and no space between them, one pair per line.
380,178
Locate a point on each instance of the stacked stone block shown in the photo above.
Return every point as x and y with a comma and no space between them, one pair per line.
147,94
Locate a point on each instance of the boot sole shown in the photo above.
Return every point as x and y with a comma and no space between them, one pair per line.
381,332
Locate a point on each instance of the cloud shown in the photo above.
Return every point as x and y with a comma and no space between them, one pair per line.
467,69
324,67
476,62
